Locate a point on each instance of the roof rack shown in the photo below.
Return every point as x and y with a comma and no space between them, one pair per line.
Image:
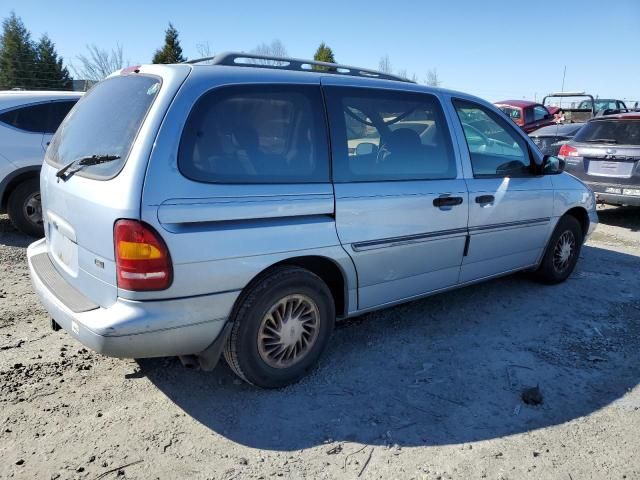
239,59
568,94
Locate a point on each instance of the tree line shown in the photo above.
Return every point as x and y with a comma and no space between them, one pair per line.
29,64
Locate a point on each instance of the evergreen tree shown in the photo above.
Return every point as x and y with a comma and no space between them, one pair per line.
171,52
324,54
51,74
18,60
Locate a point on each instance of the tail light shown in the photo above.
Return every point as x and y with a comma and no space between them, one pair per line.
142,258
567,150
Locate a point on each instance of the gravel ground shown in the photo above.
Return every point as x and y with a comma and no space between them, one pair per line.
429,390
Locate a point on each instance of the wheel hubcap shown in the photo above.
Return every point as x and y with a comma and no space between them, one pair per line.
564,251
32,209
288,331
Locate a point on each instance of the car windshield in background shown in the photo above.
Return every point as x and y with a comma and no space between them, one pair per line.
621,132
105,122
512,112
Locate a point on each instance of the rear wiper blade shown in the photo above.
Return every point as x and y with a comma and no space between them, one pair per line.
64,172
602,140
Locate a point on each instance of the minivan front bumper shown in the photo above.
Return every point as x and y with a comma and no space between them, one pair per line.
128,328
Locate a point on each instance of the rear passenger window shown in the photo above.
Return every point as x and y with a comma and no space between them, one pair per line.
380,135
256,134
57,113
495,148
32,118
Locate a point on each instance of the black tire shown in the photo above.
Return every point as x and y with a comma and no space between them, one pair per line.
242,351
552,268
20,204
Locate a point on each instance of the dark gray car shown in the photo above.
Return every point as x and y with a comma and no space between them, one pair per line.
549,139
605,154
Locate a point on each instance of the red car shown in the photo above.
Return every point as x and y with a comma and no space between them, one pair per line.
527,115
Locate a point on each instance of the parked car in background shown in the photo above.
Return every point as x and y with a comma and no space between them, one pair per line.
195,209
28,121
527,115
578,107
605,154
549,139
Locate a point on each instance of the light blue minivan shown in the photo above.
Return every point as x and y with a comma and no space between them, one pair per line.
241,206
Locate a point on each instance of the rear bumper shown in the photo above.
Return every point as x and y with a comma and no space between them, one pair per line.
137,329
615,199
604,193
609,189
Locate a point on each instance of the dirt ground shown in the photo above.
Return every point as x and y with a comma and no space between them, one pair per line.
427,390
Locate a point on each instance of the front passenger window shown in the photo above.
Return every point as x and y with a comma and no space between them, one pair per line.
495,149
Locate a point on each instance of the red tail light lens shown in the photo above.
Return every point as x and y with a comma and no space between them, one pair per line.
142,258
567,150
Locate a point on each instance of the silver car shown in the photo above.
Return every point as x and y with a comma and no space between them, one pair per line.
28,120
241,208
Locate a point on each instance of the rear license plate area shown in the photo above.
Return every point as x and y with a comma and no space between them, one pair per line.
609,168
63,251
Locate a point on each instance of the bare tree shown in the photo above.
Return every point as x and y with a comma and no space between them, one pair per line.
433,80
385,65
204,50
98,63
275,49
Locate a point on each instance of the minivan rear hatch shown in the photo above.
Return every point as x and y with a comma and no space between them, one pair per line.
116,123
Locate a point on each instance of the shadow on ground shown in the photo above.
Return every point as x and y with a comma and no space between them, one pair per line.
625,217
11,237
444,370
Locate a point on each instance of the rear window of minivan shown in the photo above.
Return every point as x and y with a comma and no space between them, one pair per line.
105,122
256,134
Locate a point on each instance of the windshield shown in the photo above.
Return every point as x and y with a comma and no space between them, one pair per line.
622,132
105,122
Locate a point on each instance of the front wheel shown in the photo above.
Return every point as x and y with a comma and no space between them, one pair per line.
25,209
280,328
562,251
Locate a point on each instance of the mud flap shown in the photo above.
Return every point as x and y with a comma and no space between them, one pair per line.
208,358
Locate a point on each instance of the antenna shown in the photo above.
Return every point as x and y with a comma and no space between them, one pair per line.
564,74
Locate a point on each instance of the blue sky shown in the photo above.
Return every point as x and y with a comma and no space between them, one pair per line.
494,49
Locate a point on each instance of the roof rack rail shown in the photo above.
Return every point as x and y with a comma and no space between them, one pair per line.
239,59
568,94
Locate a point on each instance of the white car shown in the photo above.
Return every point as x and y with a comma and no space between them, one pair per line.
28,120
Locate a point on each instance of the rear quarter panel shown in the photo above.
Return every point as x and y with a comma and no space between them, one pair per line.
220,236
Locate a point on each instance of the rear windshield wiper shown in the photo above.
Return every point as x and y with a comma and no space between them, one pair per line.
64,173
602,140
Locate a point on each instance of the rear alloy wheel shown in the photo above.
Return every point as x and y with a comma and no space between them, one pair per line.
288,331
562,251
281,326
25,208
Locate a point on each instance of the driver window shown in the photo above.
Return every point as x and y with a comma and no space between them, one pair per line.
379,135
495,149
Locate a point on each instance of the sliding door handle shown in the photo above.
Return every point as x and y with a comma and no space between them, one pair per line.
485,199
446,201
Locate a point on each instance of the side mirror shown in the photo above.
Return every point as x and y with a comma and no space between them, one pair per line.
552,165
366,148
548,116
